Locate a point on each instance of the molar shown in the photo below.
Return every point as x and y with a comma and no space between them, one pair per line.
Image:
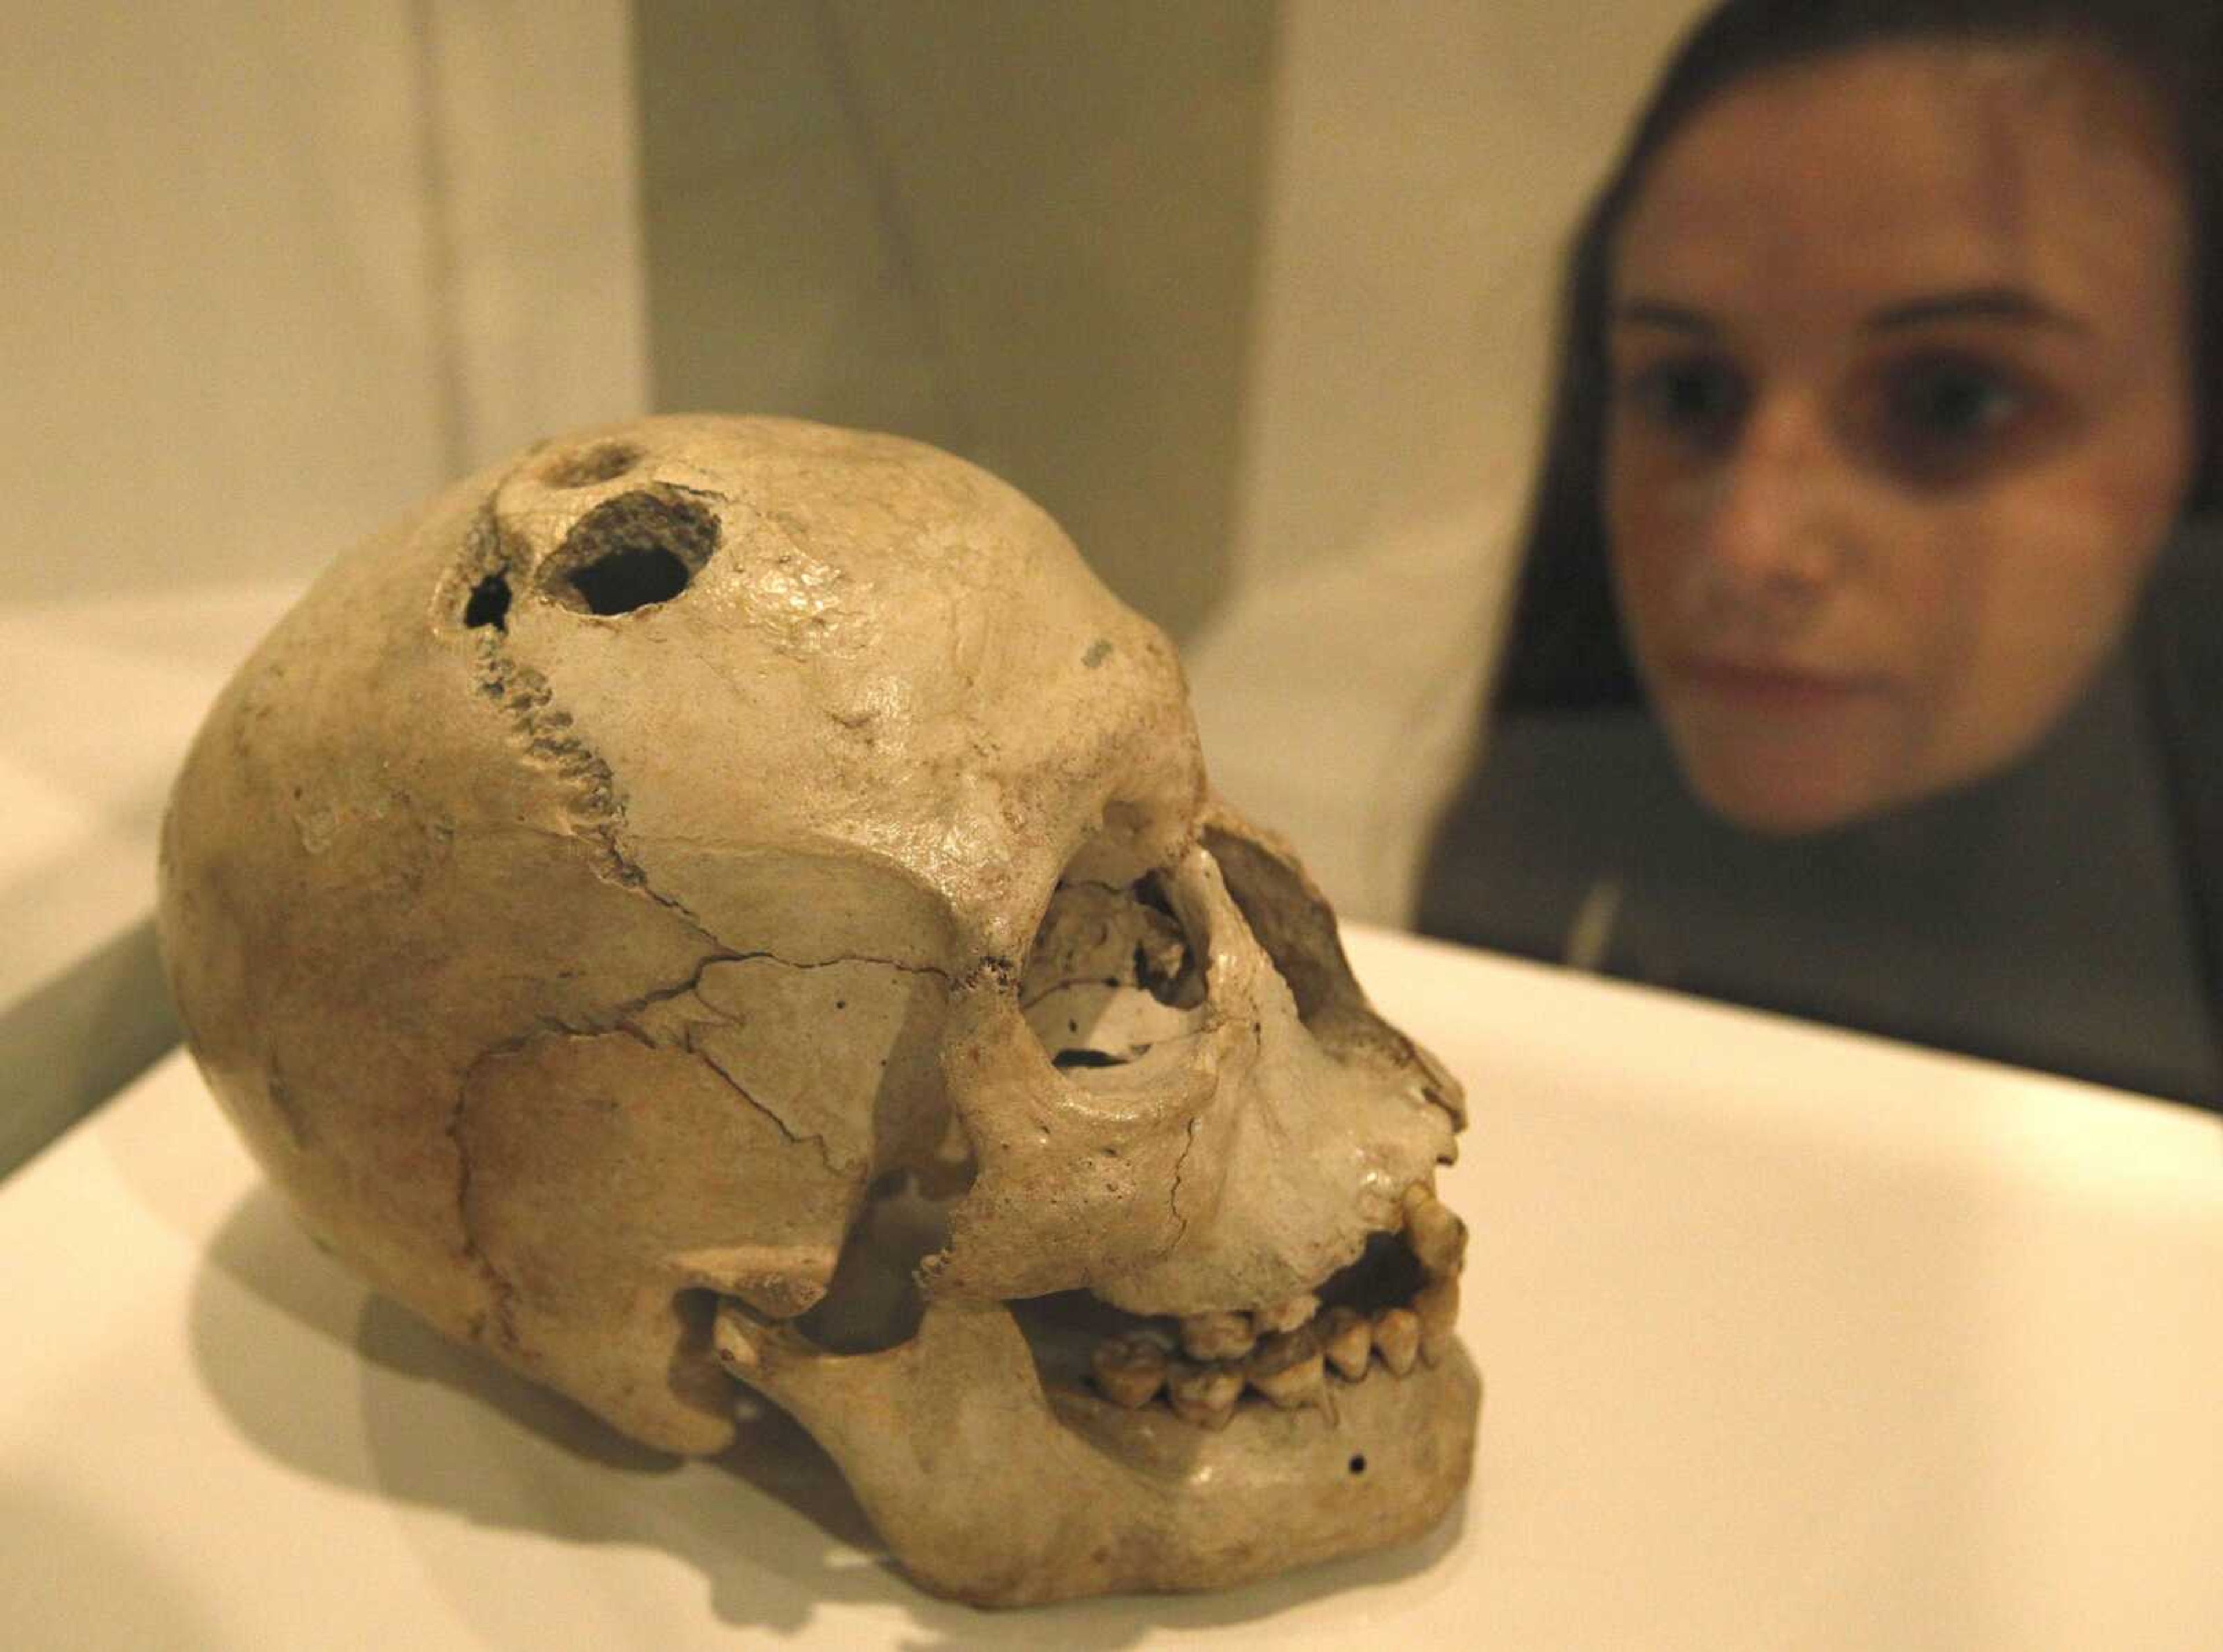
1287,1370
1209,1337
1129,1370
1204,1395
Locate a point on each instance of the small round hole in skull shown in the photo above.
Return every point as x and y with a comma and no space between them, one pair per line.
1111,975
488,604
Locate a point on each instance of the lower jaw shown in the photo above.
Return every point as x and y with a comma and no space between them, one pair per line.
1006,1463
1379,1464
993,1483
1362,1456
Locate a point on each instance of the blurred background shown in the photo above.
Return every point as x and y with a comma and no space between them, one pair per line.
1252,294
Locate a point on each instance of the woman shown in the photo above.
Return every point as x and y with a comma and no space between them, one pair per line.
1845,674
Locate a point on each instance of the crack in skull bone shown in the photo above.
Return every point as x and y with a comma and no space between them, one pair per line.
544,734
637,1019
796,1136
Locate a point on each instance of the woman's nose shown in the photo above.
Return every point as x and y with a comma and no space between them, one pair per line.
1766,544
1766,512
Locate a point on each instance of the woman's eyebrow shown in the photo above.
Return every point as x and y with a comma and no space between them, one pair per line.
1976,304
2006,303
1655,312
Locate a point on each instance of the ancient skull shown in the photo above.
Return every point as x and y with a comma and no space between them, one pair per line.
724,901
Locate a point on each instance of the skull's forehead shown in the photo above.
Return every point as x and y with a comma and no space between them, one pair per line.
886,657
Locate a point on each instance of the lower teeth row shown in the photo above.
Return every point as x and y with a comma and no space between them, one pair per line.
1288,1369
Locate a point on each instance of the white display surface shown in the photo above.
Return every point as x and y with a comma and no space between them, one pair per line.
1792,1339
105,693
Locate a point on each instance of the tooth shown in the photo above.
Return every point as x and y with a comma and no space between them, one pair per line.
1129,1370
1397,1339
1286,1316
1207,1337
1437,1305
1205,1395
1347,1341
1286,1370
1435,1233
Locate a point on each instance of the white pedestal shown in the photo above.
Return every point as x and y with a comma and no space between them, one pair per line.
1792,1339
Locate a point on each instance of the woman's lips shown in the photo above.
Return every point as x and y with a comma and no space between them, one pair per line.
1784,689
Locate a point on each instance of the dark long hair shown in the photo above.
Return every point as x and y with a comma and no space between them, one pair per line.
1564,649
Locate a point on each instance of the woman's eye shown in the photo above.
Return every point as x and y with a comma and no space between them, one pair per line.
1942,413
1697,399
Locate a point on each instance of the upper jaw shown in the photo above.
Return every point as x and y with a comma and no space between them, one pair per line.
1394,1308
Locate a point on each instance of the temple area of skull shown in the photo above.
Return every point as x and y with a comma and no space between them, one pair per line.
1113,974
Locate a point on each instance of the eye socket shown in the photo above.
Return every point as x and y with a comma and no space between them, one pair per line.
1697,400
1111,975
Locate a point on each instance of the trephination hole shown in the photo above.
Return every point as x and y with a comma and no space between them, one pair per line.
641,548
488,604
630,577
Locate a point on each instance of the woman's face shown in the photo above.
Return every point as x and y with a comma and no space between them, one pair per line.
1900,415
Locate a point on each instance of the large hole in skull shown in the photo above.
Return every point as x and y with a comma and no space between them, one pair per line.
630,577
1111,975
641,548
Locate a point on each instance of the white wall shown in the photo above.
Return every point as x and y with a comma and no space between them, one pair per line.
1428,161
220,332
276,272
1024,232
1253,297
272,272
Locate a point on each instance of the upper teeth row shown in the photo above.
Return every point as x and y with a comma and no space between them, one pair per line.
1284,1352
1232,1335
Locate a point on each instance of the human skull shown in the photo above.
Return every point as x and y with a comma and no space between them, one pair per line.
722,899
